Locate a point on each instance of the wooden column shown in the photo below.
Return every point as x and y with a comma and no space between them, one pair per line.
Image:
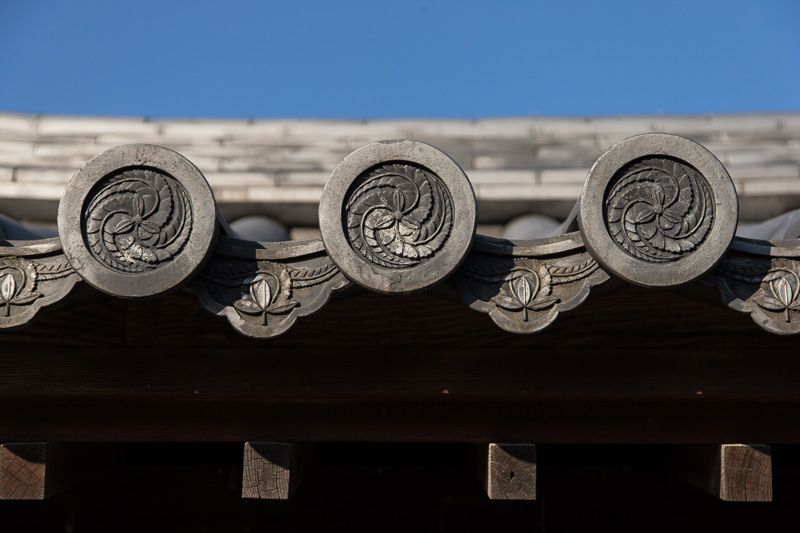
507,471
272,470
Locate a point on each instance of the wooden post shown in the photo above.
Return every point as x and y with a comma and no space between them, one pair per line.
507,471
22,471
732,472
745,473
38,470
272,470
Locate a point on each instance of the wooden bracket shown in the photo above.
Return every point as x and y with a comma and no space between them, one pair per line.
732,472
507,471
38,470
273,470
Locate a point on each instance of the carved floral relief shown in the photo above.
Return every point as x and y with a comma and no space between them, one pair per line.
137,220
397,215
779,292
263,298
28,284
659,209
766,288
17,283
523,294
269,292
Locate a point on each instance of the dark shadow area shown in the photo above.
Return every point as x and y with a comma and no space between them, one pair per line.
402,487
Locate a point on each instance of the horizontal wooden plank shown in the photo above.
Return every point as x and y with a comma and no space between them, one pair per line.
189,417
638,320
416,347
514,374
631,366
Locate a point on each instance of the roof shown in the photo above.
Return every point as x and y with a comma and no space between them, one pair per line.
399,217
141,293
278,167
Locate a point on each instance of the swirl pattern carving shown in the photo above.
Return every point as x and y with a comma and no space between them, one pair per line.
397,215
659,209
137,219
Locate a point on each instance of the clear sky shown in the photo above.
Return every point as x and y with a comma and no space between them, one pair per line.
415,58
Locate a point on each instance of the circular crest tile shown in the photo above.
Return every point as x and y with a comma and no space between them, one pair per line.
658,210
398,216
137,221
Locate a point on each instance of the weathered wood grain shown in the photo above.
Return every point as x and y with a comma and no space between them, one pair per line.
745,473
22,470
38,470
508,471
272,470
732,472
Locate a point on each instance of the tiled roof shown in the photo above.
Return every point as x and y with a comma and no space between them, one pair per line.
278,167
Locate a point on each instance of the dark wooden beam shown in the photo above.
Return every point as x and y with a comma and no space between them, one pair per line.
166,370
507,471
272,470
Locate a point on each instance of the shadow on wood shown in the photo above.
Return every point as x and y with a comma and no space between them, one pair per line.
732,472
746,473
38,470
272,470
22,471
507,471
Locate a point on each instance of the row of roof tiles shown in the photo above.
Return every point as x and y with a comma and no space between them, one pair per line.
270,162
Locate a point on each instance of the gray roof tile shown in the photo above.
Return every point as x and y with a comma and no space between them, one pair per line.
535,161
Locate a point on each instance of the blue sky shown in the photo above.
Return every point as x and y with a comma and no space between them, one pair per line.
426,58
